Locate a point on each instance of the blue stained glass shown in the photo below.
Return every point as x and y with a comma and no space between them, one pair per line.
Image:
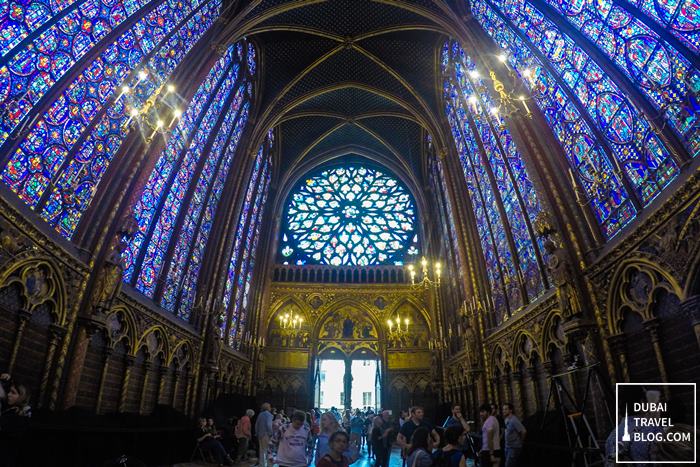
238,241
661,73
144,210
508,168
241,305
502,194
20,18
351,215
251,59
680,17
34,166
188,289
65,205
163,229
590,163
184,241
643,158
38,66
243,218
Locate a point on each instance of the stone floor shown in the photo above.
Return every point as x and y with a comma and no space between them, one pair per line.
363,461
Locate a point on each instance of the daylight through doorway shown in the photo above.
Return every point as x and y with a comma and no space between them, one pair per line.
331,383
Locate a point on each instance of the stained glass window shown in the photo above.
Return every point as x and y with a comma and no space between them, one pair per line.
180,199
245,241
624,132
503,197
680,17
57,166
353,215
659,71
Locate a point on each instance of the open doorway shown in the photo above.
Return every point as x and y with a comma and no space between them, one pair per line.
331,379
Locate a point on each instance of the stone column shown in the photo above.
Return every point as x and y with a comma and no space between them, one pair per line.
691,307
534,388
144,387
189,378
56,334
124,391
23,316
652,327
162,378
347,384
547,400
86,328
617,347
177,374
516,387
107,353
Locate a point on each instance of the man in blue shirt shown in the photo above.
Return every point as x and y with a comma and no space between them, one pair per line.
515,435
263,430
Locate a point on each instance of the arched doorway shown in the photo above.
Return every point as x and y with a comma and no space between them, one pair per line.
348,367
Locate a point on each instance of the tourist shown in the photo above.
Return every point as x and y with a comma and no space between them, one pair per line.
292,444
208,442
456,419
515,435
420,448
380,440
490,438
16,401
357,423
243,434
329,425
451,454
263,430
412,424
336,457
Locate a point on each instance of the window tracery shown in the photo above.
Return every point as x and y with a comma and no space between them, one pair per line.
353,215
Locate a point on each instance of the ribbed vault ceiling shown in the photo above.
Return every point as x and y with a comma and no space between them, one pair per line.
346,75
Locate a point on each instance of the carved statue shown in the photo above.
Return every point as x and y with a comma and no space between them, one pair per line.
330,329
36,284
348,328
563,277
214,341
108,282
260,369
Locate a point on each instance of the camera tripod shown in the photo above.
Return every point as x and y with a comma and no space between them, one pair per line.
581,439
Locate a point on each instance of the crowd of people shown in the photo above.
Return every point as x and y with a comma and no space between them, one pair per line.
335,439
15,412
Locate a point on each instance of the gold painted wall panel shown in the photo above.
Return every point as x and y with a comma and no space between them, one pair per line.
287,360
412,360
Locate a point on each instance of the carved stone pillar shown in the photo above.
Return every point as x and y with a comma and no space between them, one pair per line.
56,334
496,383
23,316
652,327
124,391
144,387
544,390
617,347
534,388
177,374
107,353
517,391
189,382
162,378
691,307
86,328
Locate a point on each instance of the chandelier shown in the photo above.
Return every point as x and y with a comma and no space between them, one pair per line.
154,109
291,322
428,280
398,327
